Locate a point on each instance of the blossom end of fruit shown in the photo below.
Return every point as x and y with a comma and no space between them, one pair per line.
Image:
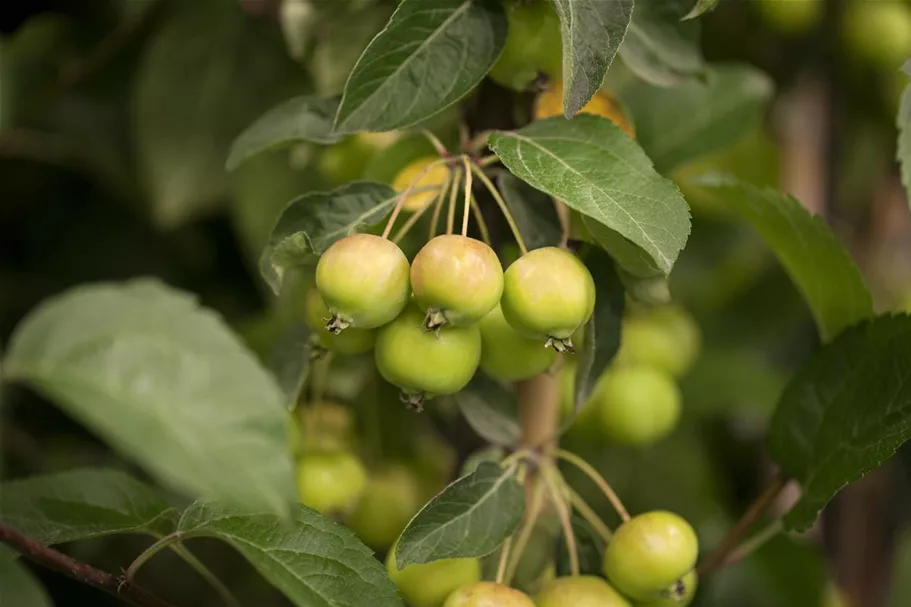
414,401
337,324
434,321
560,345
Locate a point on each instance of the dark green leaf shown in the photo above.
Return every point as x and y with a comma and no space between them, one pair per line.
592,31
312,222
430,55
817,262
81,504
845,412
904,133
290,361
593,167
590,549
166,383
490,409
659,47
306,118
470,518
700,116
534,212
701,7
19,587
208,73
313,560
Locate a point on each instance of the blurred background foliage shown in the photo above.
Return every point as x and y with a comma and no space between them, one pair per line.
115,121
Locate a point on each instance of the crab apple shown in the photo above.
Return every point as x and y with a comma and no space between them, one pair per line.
580,591
425,364
665,337
352,341
508,355
429,584
326,426
879,32
533,45
419,174
457,280
549,102
364,281
488,594
390,499
330,482
548,293
649,553
678,594
636,405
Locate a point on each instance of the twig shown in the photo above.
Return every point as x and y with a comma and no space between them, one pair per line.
753,544
606,489
38,553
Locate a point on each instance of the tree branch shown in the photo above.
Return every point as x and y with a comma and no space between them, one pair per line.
38,553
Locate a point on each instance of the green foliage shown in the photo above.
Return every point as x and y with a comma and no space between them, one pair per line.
20,586
904,132
659,46
534,212
490,409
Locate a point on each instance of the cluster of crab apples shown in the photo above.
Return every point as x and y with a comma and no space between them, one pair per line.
432,323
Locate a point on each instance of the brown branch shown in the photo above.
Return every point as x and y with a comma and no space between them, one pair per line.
38,553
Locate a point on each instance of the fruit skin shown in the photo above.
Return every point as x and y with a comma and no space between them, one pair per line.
879,32
580,591
637,405
430,584
791,17
548,294
650,552
508,355
388,502
457,280
364,280
433,177
350,342
549,102
533,45
689,583
326,426
330,482
420,362
488,594
346,160
665,337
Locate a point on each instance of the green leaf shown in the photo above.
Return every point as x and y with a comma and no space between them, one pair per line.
534,212
700,116
313,560
430,54
82,504
592,31
20,587
290,361
163,381
659,47
207,74
490,409
701,7
470,518
306,118
816,261
312,222
904,133
593,167
589,546
845,412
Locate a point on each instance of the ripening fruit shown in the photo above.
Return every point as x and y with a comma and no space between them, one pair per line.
550,103
665,337
352,341
428,585
326,426
679,594
345,161
488,594
879,32
580,591
330,482
649,553
508,355
389,500
791,17
425,178
636,405
424,364
548,294
364,281
533,45
457,280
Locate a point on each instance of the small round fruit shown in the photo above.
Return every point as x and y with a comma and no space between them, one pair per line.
548,294
679,594
388,502
550,103
533,45
417,175
636,405
649,553
791,17
665,337
488,594
424,364
326,426
457,280
330,482
428,585
879,32
364,281
580,591
352,341
345,161
508,355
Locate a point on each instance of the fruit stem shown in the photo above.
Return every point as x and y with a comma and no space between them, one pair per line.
417,215
547,472
467,205
486,161
504,558
531,516
753,544
437,211
205,573
589,471
436,143
149,552
453,194
479,219
589,515
504,209
403,196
